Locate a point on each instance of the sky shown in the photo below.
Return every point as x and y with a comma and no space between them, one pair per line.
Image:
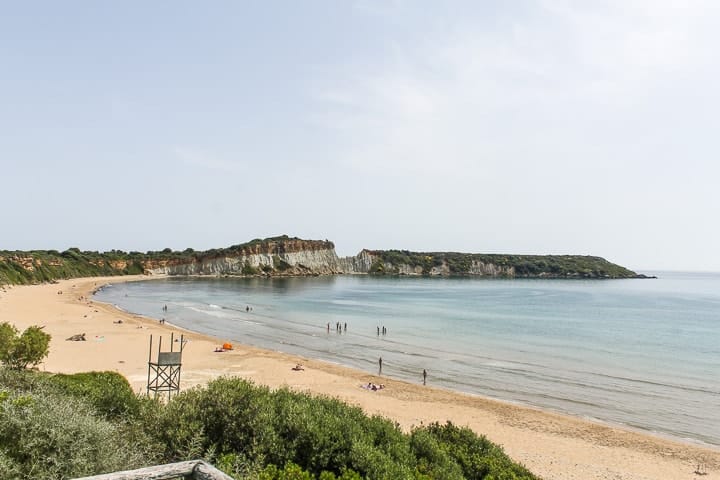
527,127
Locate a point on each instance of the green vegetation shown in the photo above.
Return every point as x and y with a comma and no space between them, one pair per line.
280,264
18,351
47,433
546,266
248,269
63,426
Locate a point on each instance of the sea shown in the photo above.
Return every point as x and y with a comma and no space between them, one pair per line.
641,353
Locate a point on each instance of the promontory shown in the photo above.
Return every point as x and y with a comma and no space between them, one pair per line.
289,256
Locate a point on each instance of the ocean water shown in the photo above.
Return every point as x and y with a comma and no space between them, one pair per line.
641,353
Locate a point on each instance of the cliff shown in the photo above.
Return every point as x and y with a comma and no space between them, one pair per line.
273,256
283,255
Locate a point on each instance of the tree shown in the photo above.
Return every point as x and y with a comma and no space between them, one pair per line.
19,351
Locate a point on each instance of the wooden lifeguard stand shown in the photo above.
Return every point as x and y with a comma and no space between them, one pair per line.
164,372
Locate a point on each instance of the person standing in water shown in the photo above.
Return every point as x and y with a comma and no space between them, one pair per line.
380,365
424,376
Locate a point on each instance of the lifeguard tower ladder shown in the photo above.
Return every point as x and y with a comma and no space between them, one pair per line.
164,372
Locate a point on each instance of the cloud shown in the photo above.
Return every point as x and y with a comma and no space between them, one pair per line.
206,160
550,83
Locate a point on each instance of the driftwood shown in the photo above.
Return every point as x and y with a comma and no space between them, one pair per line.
190,470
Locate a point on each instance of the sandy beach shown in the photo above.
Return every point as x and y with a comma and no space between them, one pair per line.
551,445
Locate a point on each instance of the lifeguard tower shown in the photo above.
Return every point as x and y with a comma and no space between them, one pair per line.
164,372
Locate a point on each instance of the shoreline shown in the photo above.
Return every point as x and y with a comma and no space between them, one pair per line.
552,445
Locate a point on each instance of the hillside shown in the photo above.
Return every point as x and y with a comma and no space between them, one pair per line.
285,256
37,266
496,265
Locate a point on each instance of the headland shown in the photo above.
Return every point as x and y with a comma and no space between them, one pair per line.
286,256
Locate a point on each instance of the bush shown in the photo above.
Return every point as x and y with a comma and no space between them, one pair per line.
477,457
433,460
301,436
50,436
109,392
248,269
60,426
18,352
280,264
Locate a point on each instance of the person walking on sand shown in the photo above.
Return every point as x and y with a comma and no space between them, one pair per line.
380,365
424,376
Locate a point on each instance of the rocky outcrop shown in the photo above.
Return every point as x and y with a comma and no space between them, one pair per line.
490,269
273,257
360,263
369,261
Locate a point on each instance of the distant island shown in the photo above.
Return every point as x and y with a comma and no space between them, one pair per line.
290,256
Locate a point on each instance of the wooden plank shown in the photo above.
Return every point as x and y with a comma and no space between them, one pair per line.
204,471
193,469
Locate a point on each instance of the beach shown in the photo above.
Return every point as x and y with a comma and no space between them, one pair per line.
551,445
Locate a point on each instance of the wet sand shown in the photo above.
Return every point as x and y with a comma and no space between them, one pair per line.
553,446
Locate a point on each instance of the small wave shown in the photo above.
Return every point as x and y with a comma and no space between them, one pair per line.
687,388
211,313
346,302
417,354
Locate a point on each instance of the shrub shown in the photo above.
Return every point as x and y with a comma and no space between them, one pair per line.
248,269
109,392
277,435
50,436
477,457
280,264
59,426
29,348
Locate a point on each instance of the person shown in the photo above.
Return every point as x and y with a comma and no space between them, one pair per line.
378,328
424,376
298,367
346,326
380,365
